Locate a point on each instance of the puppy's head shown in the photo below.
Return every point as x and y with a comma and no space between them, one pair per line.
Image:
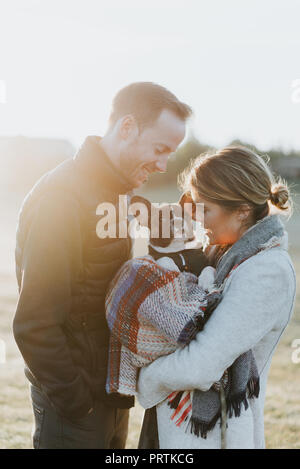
169,225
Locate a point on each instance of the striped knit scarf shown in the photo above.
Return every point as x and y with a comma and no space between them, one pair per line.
152,311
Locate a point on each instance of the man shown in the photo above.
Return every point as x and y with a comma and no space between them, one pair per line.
63,269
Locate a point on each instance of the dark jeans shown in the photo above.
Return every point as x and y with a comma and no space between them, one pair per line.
105,428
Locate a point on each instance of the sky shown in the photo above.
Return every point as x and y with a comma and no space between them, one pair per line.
237,63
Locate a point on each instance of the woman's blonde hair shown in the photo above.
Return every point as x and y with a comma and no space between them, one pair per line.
235,176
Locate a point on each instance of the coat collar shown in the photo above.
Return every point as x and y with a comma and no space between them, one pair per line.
93,163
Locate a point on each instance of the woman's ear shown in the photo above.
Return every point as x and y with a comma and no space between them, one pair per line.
244,212
244,215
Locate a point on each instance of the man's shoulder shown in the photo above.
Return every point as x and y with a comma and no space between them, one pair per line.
55,190
57,182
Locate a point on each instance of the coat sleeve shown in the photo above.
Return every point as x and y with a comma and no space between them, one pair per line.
260,294
50,262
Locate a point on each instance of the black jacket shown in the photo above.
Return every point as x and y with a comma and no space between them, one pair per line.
63,270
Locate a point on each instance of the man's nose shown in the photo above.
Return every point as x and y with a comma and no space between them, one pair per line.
161,165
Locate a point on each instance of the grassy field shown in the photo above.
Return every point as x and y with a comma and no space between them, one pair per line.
282,411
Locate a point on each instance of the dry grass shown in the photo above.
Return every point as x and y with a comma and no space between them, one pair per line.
282,411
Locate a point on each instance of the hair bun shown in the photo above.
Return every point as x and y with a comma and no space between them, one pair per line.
279,196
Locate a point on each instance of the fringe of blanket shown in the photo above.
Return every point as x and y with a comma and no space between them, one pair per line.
234,406
234,403
173,402
201,428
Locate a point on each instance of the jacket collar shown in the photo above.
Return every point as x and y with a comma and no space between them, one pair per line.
93,163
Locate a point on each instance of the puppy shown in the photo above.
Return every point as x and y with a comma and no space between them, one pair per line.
178,250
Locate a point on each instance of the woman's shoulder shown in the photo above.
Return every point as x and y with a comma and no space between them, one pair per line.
267,282
273,265
272,258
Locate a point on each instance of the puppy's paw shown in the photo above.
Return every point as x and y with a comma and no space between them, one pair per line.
207,278
167,263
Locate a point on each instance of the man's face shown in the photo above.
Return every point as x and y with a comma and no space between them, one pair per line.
147,152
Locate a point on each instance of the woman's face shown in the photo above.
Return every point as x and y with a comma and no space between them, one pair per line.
223,226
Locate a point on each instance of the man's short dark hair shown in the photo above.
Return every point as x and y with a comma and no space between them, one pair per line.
145,101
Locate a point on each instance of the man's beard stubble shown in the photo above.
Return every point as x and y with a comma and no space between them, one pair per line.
130,168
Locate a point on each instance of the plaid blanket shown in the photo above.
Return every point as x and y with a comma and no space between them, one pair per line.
150,312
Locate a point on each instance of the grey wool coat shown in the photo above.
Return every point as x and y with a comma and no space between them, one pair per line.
256,307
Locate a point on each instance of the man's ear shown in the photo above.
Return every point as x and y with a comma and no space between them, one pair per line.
128,126
141,209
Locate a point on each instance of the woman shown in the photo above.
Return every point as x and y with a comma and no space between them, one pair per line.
257,281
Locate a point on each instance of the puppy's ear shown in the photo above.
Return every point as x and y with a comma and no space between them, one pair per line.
138,198
141,209
186,198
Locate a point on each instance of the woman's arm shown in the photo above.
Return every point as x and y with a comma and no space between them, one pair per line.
260,294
